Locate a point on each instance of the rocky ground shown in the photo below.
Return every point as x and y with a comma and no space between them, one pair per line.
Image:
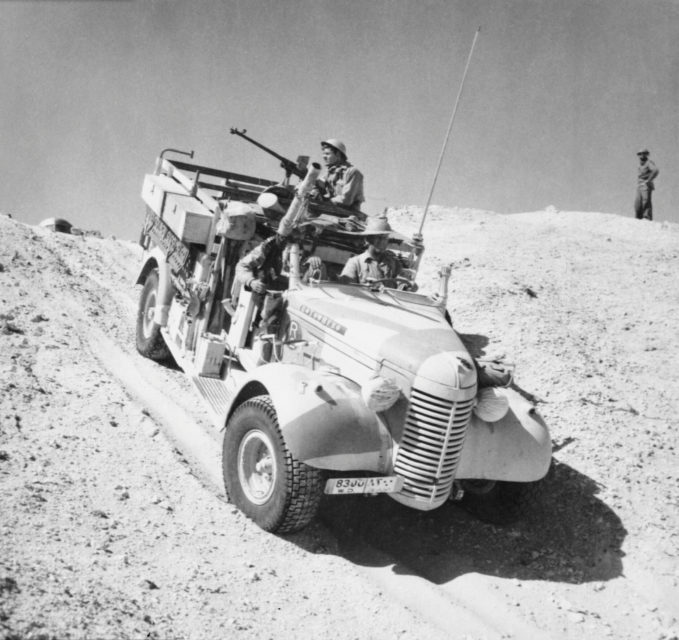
111,528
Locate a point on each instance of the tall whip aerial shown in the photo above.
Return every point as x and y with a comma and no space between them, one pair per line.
450,127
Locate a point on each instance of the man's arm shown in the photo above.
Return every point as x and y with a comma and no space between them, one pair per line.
653,171
320,189
392,263
351,274
249,265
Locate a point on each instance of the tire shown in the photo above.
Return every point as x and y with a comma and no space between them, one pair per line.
498,502
261,477
150,342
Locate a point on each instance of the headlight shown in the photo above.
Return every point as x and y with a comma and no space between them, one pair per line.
491,404
380,394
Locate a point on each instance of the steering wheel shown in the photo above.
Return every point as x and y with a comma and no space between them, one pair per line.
396,282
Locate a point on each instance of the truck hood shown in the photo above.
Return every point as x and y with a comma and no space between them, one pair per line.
400,329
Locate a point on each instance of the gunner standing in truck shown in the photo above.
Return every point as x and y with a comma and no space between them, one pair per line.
342,183
376,262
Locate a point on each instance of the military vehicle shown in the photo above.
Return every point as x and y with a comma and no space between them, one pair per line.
321,387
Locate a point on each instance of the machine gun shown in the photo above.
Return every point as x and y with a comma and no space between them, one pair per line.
298,168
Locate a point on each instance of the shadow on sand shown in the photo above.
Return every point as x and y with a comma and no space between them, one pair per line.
567,535
475,343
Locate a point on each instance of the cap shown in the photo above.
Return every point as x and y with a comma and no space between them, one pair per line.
376,226
335,144
643,152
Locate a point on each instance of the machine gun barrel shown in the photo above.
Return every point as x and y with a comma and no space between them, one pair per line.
291,167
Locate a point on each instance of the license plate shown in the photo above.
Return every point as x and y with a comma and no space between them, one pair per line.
382,484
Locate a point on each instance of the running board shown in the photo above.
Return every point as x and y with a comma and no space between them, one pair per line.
216,395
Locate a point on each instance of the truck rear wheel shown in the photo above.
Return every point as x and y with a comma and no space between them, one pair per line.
150,342
261,477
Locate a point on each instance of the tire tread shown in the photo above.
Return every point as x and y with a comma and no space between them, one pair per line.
153,347
303,484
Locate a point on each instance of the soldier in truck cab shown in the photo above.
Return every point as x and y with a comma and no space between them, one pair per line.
260,270
264,266
342,183
376,262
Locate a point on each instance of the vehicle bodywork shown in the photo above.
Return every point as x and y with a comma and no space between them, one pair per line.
331,344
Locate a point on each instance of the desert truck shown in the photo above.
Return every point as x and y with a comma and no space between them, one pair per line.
321,387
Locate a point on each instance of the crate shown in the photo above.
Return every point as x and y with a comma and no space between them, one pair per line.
190,220
155,189
209,357
185,215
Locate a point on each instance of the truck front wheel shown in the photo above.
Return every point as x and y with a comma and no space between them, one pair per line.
261,477
150,342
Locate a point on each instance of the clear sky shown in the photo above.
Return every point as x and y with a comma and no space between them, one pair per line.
560,95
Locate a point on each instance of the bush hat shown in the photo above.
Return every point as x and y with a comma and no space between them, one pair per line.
377,226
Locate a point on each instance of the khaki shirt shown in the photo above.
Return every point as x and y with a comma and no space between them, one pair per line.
362,267
344,186
647,174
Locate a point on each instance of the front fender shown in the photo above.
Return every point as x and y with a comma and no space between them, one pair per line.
155,259
323,418
516,448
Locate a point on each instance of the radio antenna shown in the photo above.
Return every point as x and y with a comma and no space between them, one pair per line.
450,127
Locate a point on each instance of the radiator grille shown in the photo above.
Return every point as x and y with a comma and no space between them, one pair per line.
431,446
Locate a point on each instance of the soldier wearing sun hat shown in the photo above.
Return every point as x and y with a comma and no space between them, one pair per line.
343,183
643,206
376,262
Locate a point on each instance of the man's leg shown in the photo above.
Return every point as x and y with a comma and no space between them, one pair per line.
648,214
638,208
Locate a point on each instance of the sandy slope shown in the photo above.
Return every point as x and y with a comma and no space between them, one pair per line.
111,527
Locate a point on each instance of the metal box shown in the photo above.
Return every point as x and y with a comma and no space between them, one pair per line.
209,357
154,190
188,218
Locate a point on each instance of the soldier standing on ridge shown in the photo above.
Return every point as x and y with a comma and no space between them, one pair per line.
643,206
343,183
